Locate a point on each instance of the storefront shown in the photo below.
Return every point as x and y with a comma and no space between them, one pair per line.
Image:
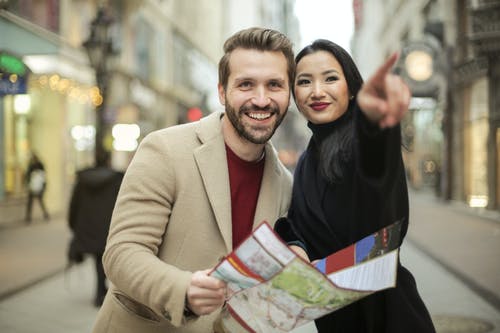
422,65
57,96
483,116
476,132
14,107
422,143
476,136
55,120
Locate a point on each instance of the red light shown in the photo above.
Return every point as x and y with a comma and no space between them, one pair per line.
194,114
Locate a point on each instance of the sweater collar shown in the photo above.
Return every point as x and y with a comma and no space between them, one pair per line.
321,131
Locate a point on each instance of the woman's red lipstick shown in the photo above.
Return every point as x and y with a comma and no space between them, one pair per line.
319,106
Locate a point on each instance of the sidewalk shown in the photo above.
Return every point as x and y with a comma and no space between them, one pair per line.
460,240
451,253
64,303
30,253
454,306
60,304
12,210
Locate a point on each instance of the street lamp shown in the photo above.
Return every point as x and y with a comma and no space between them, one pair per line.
419,65
99,47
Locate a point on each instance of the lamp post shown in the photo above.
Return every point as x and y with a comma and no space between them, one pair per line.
99,47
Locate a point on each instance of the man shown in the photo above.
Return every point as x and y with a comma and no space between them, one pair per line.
193,192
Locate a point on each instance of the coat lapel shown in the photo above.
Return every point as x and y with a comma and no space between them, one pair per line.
211,161
270,189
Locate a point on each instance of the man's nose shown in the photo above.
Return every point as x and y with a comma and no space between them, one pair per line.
261,98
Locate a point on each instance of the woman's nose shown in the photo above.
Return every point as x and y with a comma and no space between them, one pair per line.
317,90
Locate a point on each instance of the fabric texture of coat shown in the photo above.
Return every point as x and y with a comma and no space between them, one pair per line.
173,217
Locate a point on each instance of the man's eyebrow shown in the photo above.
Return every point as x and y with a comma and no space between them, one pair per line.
243,79
240,79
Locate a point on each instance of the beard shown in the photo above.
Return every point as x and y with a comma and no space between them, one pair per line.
254,133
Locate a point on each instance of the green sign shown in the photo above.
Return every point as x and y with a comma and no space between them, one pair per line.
12,65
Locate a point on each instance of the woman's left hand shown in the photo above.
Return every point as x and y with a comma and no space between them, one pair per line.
385,97
300,252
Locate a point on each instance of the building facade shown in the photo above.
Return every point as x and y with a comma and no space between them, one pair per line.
475,124
161,71
448,52
59,90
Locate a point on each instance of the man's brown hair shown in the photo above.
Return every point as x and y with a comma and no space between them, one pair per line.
257,39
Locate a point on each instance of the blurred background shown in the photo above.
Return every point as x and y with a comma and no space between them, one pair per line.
78,77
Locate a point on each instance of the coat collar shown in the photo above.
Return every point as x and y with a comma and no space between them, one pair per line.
212,165
270,188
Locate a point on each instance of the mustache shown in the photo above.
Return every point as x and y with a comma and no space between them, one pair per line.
268,108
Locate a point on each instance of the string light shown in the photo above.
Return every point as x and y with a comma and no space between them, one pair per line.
80,93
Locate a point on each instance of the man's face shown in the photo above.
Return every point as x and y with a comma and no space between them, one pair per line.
257,94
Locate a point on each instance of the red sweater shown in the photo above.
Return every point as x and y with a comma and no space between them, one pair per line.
244,179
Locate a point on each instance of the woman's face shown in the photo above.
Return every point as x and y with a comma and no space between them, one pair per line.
321,91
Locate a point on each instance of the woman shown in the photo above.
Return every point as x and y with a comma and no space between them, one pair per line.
350,181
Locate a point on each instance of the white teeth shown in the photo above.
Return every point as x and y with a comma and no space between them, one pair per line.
259,116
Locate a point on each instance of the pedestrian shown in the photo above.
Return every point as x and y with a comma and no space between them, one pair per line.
91,206
350,182
36,182
193,192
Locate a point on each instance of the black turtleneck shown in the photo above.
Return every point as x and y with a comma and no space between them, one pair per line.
321,131
328,216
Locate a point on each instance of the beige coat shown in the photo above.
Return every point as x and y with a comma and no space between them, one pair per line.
173,217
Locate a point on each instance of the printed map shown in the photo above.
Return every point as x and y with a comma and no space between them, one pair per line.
273,290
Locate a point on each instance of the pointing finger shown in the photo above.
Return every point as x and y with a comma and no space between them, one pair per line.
384,69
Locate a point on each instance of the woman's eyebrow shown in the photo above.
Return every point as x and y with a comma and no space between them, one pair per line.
328,71
304,74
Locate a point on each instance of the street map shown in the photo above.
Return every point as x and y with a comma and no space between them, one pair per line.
271,289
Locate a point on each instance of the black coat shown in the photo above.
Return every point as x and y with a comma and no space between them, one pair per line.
327,217
91,207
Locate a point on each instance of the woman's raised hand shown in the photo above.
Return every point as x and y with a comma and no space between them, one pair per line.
385,97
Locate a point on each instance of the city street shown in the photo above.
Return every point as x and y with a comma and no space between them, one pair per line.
450,250
83,83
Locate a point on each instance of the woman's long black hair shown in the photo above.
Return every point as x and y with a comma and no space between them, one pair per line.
336,149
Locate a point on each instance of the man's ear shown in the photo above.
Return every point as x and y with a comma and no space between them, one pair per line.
222,94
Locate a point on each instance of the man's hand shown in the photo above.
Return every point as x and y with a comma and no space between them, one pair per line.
205,294
385,98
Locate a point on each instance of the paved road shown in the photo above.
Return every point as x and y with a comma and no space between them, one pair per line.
457,277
